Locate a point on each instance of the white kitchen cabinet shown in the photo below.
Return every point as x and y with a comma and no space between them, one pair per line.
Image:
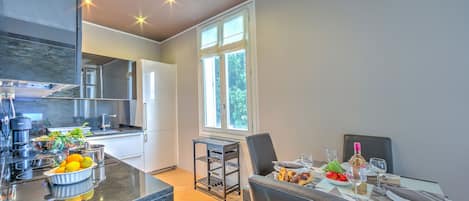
126,147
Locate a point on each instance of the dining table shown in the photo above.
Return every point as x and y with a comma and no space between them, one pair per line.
373,193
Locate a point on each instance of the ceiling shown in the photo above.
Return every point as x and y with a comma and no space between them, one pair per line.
162,19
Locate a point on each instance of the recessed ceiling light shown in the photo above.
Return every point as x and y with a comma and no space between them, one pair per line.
170,2
87,3
140,20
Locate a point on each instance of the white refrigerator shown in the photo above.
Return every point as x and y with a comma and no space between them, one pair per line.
157,113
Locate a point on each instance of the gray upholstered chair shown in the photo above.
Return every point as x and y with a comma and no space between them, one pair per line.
372,146
267,189
262,153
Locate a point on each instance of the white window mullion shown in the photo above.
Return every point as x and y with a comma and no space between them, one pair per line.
223,91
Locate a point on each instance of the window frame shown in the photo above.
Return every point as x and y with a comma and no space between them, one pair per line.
220,50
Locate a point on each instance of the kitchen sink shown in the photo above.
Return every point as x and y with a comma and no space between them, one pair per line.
106,132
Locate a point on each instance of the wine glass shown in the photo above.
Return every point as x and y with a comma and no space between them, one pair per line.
379,166
331,154
306,160
356,176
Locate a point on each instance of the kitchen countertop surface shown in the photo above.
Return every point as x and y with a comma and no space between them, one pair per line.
120,183
117,131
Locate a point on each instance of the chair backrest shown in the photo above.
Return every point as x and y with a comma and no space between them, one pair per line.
267,189
372,146
261,150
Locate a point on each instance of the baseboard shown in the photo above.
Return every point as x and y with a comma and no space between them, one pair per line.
163,170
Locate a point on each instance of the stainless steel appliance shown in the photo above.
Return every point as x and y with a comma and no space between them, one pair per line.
20,127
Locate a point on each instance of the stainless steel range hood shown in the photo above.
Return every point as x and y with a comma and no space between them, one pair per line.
32,89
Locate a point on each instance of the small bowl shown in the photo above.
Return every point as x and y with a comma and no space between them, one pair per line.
69,177
41,145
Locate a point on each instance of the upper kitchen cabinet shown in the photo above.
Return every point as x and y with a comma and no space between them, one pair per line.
40,41
108,78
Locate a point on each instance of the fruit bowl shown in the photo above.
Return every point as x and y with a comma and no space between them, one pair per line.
69,177
64,192
337,182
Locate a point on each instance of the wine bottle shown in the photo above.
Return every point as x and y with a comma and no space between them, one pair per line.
357,161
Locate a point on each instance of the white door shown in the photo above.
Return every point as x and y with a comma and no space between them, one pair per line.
159,96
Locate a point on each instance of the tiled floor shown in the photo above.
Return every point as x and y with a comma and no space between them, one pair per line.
184,187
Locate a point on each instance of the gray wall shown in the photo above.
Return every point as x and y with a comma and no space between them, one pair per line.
389,68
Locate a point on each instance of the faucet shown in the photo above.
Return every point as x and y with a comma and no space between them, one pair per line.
103,121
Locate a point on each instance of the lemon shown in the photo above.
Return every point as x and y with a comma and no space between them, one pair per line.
72,166
60,170
74,157
86,162
77,198
88,195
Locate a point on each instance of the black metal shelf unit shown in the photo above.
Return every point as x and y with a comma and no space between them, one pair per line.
222,160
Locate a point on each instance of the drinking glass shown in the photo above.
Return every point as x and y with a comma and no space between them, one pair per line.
306,160
356,176
379,166
331,154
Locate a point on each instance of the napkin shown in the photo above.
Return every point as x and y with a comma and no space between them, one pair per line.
404,194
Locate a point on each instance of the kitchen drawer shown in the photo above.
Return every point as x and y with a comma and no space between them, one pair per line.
120,146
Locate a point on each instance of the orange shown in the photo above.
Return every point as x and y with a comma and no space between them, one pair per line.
60,170
63,163
74,157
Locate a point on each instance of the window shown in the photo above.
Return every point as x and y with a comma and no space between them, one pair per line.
225,66
212,102
209,37
233,30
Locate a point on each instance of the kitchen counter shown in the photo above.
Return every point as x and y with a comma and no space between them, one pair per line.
116,181
117,131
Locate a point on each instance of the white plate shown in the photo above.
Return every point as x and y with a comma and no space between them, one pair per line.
338,183
299,170
278,165
289,164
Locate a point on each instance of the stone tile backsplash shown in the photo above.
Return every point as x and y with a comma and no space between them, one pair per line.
50,112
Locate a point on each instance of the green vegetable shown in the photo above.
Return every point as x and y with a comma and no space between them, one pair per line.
334,166
61,141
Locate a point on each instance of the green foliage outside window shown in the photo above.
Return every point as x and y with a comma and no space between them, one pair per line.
237,93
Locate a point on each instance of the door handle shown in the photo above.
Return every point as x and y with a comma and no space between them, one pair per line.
145,137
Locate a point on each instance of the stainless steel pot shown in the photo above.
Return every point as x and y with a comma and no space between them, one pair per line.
95,151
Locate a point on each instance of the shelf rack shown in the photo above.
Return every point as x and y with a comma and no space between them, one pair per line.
222,160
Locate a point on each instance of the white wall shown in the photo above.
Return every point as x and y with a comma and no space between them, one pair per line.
182,51
108,42
390,68
329,67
